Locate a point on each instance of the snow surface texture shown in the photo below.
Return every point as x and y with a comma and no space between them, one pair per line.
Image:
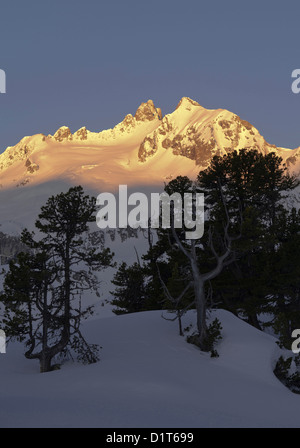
150,377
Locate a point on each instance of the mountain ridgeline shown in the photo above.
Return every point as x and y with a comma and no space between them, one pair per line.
145,148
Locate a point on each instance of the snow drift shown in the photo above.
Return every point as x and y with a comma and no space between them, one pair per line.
149,377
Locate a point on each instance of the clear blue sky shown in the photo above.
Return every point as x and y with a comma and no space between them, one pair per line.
91,62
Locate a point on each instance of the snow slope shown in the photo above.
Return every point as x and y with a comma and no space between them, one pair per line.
150,377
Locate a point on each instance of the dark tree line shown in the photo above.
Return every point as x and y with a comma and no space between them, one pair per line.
247,260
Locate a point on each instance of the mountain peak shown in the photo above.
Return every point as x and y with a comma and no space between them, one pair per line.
148,112
186,102
63,133
81,134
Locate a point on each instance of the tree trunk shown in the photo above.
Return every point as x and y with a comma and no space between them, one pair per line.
253,320
201,314
200,305
180,323
67,293
45,362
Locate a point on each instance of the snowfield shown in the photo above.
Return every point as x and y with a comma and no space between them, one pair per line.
150,377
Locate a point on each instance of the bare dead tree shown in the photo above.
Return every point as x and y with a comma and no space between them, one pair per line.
176,302
200,279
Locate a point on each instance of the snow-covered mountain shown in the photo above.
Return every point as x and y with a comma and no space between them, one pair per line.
143,149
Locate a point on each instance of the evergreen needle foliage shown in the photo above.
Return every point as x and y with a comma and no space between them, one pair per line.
43,287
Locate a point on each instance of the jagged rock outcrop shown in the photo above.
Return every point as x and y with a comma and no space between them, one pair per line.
197,133
147,112
81,134
14,154
31,166
63,133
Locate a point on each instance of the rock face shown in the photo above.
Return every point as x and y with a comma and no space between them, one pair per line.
293,162
148,112
63,133
31,167
81,134
197,133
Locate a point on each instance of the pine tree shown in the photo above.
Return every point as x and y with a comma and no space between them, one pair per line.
129,295
284,290
43,288
254,186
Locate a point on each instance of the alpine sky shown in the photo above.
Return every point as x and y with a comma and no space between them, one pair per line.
90,63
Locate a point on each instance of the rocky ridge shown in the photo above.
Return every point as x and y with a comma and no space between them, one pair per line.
190,131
